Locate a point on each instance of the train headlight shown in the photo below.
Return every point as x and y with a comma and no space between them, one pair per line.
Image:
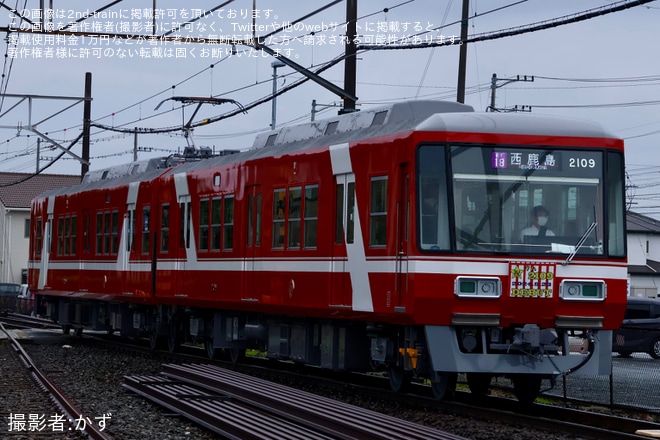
583,290
473,287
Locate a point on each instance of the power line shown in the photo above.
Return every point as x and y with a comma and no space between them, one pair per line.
520,30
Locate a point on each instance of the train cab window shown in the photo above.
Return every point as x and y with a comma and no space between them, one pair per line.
146,229
165,227
499,191
378,211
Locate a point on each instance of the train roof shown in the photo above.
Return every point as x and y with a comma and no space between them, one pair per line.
419,115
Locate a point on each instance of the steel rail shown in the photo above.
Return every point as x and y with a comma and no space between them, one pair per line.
215,391
62,401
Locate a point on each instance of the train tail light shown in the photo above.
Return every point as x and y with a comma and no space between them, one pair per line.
477,287
582,290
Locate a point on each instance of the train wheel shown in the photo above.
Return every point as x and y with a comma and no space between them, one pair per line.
399,378
173,340
443,384
236,355
211,352
153,339
479,383
526,387
66,329
78,331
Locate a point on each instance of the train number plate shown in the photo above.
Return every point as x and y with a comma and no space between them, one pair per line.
531,280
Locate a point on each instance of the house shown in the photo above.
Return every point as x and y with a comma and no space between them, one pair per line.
643,255
16,193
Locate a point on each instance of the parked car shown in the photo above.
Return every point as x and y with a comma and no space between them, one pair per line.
8,296
24,292
640,330
10,290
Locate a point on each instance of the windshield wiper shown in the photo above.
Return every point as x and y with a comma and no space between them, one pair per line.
580,242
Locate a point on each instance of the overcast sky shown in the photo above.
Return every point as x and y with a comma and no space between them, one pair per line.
614,57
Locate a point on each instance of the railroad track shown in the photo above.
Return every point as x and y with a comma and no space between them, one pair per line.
219,398
553,418
43,409
509,412
19,321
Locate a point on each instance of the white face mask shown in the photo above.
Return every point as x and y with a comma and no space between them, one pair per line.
542,221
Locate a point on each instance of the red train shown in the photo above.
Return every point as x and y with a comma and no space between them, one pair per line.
397,239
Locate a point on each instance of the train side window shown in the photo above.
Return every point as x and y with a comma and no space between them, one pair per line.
131,222
339,218
184,222
311,215
99,233
378,211
165,227
228,223
60,236
293,224
216,221
204,224
66,235
73,235
106,232
279,200
115,232
38,242
146,230
257,232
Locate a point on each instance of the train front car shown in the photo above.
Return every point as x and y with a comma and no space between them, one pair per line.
518,243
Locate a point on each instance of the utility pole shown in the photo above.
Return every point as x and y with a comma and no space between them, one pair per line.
87,119
462,56
350,62
275,65
135,145
38,153
504,81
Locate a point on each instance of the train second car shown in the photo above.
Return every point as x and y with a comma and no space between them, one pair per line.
421,238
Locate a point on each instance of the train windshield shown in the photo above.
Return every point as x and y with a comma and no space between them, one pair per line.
536,200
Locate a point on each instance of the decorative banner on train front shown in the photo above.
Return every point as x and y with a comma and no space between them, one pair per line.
531,280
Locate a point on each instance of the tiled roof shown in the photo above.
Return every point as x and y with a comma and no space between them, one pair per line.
18,189
640,223
650,268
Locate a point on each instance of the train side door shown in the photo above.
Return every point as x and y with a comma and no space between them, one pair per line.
186,255
86,248
402,235
350,285
45,253
344,236
251,288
